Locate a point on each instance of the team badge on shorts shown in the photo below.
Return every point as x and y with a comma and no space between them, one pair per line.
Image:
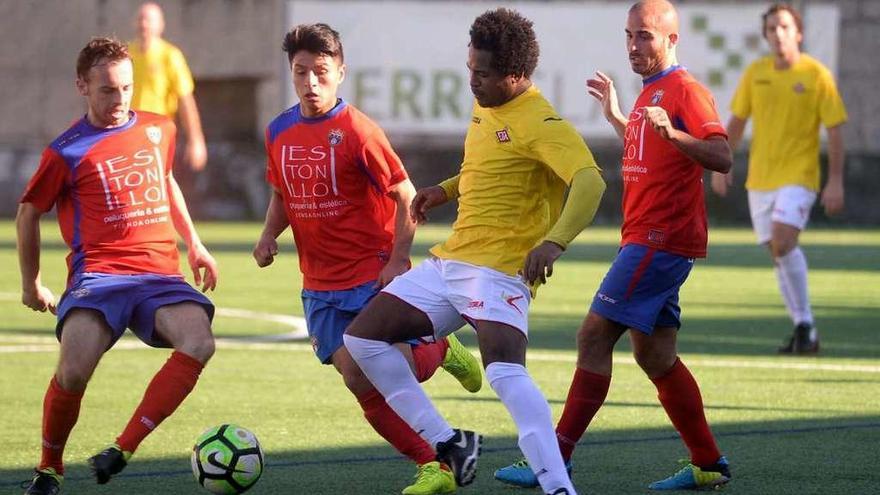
656,97
154,134
335,137
503,136
314,344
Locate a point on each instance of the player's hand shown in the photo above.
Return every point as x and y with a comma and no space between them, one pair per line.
199,260
39,298
659,120
602,88
391,270
196,155
539,262
425,199
265,251
832,198
721,182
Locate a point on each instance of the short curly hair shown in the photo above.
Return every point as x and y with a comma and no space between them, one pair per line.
509,37
97,51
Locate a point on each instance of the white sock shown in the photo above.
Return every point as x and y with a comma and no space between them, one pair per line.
786,292
794,269
390,373
531,414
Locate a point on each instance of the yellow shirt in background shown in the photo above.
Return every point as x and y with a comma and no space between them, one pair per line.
518,161
161,76
786,107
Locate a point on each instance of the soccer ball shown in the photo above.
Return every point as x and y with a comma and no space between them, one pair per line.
227,459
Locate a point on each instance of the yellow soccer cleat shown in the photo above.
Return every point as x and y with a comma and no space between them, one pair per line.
460,363
431,479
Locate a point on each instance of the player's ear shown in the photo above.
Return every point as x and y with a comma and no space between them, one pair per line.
82,86
341,73
673,39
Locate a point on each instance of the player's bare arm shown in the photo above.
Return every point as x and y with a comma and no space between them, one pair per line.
425,199
735,129
602,88
832,193
202,264
404,231
712,153
196,153
276,223
33,294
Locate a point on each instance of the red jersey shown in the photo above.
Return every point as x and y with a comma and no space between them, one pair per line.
334,173
111,190
663,205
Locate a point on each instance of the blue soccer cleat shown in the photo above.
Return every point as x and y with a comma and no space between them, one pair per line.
693,477
520,474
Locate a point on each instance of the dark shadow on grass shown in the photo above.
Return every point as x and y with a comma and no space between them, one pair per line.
646,405
815,455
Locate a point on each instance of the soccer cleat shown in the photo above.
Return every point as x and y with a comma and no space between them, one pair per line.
460,363
108,462
561,491
45,482
693,477
801,341
431,479
520,474
460,453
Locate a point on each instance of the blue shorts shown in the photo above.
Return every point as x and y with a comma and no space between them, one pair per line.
129,301
641,288
328,313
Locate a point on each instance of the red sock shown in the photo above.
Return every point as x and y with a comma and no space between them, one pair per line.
585,396
429,357
680,396
393,429
165,392
60,411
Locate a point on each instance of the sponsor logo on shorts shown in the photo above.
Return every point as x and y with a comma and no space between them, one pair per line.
511,301
604,298
475,305
80,293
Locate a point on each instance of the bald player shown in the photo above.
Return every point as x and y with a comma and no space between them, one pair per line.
164,84
671,135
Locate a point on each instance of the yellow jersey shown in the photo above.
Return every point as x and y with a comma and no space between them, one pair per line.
786,107
519,159
161,76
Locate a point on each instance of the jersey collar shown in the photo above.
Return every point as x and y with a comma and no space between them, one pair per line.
340,106
664,72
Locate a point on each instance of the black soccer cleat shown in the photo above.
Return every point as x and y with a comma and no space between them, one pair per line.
107,463
800,342
45,482
560,491
460,453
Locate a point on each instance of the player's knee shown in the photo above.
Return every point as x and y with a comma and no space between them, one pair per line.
199,346
652,362
355,380
72,378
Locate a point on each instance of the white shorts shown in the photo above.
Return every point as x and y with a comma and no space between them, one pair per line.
452,293
790,205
